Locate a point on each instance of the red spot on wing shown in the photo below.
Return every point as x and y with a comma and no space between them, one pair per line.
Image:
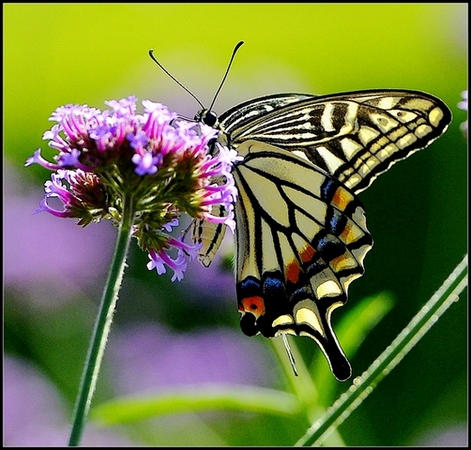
307,254
254,304
292,272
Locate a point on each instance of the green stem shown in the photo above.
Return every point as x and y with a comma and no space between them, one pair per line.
364,385
102,324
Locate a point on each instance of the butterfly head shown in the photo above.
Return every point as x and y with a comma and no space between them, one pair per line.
207,117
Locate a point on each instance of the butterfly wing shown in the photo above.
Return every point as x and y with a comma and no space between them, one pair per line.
301,240
209,234
354,136
235,120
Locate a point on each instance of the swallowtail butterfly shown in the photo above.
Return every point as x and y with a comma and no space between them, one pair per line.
301,235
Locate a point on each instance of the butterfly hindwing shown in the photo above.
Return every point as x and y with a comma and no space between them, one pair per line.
301,239
209,235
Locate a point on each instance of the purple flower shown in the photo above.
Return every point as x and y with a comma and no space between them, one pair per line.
158,260
464,106
159,161
55,188
168,226
146,163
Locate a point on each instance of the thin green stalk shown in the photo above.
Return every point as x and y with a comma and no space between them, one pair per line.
364,385
102,325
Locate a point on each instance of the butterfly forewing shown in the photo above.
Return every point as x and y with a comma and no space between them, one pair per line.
300,229
247,113
354,136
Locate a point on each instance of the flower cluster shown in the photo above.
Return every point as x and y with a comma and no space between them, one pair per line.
163,164
463,104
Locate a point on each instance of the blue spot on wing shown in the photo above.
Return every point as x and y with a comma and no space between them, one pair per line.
250,287
328,189
337,221
330,247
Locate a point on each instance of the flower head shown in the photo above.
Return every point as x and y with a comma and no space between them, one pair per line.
464,106
163,163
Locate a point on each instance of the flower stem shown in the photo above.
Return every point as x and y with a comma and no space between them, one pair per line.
409,336
102,324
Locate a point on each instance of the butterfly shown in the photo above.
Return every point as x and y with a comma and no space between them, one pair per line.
301,235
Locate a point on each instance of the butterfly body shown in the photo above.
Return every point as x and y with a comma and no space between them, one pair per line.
301,234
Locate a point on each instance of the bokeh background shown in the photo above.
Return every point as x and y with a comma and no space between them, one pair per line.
180,334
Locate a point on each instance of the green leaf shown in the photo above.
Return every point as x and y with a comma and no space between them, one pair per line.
197,398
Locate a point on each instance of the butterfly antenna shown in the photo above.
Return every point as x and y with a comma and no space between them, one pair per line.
290,354
225,75
151,54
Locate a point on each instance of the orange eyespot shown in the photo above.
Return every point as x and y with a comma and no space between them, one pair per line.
254,305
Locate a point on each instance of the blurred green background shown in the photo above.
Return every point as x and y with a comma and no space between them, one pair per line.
54,272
